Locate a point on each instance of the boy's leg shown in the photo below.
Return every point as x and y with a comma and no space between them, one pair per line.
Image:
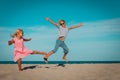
46,56
19,65
53,51
64,57
65,48
49,54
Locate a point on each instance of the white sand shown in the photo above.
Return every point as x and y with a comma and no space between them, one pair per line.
62,72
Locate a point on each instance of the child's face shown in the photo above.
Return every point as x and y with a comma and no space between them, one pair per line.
62,23
19,33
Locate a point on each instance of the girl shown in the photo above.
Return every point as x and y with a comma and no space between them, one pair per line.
19,50
63,30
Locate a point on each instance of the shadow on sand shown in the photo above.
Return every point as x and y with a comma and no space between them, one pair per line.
29,67
62,65
48,66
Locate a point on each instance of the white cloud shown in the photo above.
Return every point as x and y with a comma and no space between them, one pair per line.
90,29
98,29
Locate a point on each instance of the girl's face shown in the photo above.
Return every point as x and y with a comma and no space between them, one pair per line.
19,33
62,23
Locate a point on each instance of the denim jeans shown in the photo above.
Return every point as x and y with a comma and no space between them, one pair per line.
61,44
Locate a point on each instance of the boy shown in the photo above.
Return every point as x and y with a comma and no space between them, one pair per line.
63,30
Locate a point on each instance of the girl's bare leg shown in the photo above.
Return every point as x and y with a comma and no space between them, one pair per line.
19,65
37,52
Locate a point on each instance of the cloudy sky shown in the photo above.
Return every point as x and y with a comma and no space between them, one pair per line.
97,40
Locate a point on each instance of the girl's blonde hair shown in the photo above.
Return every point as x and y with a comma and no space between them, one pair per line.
16,32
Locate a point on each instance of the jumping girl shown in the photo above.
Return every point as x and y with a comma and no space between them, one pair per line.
19,50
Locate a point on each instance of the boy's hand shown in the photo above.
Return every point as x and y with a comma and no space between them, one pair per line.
47,18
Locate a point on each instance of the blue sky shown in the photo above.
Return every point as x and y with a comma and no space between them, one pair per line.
97,40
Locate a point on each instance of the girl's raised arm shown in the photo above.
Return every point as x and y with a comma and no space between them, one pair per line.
76,26
10,42
51,21
27,39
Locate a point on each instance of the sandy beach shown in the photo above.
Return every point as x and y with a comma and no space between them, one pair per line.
60,72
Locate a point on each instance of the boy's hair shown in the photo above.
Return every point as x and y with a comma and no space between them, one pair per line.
15,34
61,20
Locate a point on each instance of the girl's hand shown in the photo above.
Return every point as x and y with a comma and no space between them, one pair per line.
30,39
47,18
81,24
10,42
27,39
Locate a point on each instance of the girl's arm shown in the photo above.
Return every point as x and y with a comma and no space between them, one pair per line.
27,39
77,26
10,42
51,21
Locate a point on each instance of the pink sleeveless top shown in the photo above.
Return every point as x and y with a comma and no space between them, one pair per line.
19,50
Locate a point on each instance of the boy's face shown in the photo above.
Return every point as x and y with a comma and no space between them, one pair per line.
62,23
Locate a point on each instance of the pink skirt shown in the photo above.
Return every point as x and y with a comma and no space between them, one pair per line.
20,53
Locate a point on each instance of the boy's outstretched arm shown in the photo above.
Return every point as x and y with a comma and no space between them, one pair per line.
51,21
27,39
76,26
10,42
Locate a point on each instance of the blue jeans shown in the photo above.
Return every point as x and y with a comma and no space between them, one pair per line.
61,44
